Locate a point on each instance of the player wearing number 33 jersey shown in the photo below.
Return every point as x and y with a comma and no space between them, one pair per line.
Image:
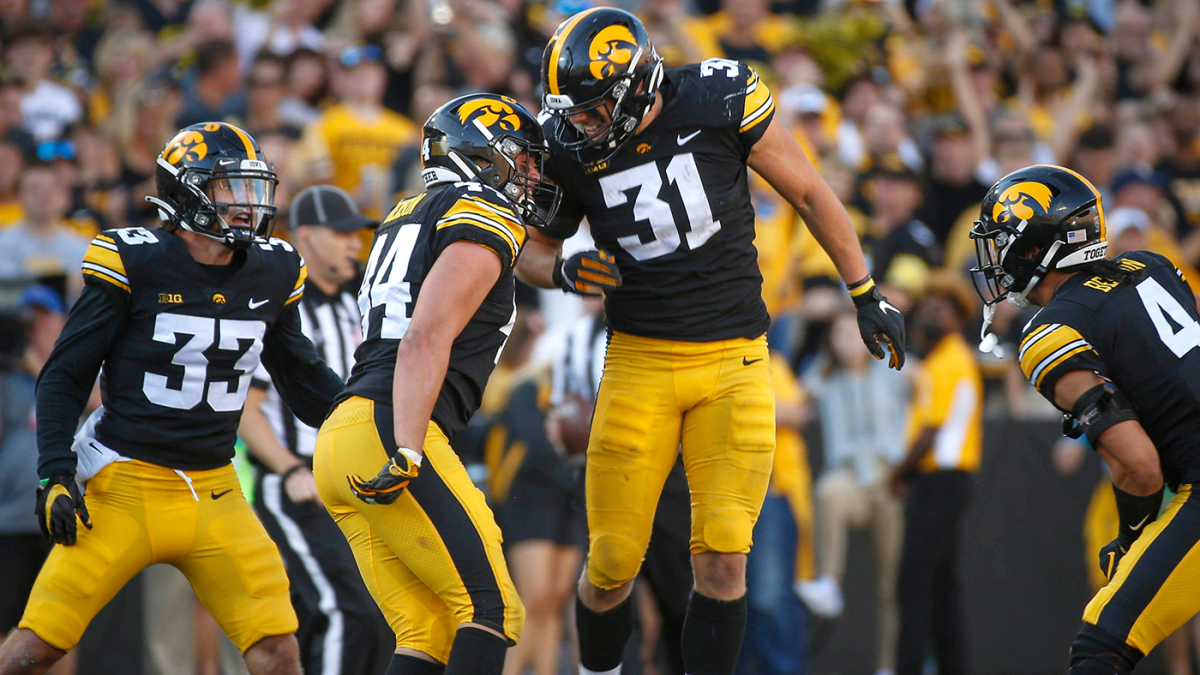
1116,346
656,160
177,319
437,304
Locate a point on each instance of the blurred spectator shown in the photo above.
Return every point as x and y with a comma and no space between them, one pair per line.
884,134
538,493
123,58
12,162
140,126
952,187
405,178
747,31
354,143
31,324
679,37
1096,157
781,561
863,408
285,26
199,21
307,87
46,107
80,217
40,244
1181,169
1127,230
212,94
903,250
945,440
266,85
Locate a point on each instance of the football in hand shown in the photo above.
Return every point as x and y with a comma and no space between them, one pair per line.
569,424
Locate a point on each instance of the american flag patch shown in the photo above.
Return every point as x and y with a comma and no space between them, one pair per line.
1076,236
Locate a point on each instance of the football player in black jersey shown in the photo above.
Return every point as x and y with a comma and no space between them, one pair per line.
437,305
656,160
179,318
1116,347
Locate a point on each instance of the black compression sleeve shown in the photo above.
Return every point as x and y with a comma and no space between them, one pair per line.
303,381
66,380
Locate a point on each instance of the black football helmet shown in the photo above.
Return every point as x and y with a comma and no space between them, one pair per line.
596,56
479,137
1034,220
213,180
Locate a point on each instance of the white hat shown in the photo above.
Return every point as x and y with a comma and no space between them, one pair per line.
1126,217
804,98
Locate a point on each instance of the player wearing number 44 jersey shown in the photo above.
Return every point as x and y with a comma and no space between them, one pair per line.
1116,346
179,318
656,160
437,304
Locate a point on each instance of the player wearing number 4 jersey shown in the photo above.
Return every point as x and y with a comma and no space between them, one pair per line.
437,304
1116,346
656,160
179,318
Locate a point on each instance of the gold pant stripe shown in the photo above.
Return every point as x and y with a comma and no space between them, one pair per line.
1092,613
432,560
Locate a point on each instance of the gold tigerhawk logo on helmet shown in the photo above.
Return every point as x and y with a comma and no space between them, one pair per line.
186,144
490,111
1015,202
612,47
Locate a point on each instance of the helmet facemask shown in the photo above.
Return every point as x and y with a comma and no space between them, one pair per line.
236,207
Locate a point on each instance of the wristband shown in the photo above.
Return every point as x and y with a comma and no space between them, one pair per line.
288,474
414,457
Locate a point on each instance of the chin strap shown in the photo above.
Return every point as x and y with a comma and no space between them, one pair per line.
1020,300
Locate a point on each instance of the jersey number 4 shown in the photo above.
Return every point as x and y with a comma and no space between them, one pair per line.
384,285
1166,313
647,206
200,334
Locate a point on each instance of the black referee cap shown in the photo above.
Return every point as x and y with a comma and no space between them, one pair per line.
327,206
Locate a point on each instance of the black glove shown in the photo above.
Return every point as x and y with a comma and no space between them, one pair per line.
879,323
587,273
1110,556
58,500
386,487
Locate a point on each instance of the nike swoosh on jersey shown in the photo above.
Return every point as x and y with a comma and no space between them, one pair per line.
681,139
260,303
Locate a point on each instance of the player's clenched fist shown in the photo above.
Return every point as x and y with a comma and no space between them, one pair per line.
58,500
587,273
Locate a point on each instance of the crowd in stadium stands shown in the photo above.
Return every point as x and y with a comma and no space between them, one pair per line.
910,109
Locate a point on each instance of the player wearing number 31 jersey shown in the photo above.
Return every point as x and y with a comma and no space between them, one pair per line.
437,305
1116,346
179,318
656,160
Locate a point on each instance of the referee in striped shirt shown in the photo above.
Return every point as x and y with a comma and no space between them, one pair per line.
341,630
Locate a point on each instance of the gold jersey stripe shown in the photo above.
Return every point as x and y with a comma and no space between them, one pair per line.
758,101
104,257
1052,341
552,76
1033,335
470,206
495,229
1054,364
102,237
107,277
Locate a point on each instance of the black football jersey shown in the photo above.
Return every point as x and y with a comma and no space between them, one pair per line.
175,381
1143,336
406,245
673,206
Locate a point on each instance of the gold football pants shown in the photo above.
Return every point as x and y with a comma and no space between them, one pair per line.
713,399
1157,585
431,560
145,514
